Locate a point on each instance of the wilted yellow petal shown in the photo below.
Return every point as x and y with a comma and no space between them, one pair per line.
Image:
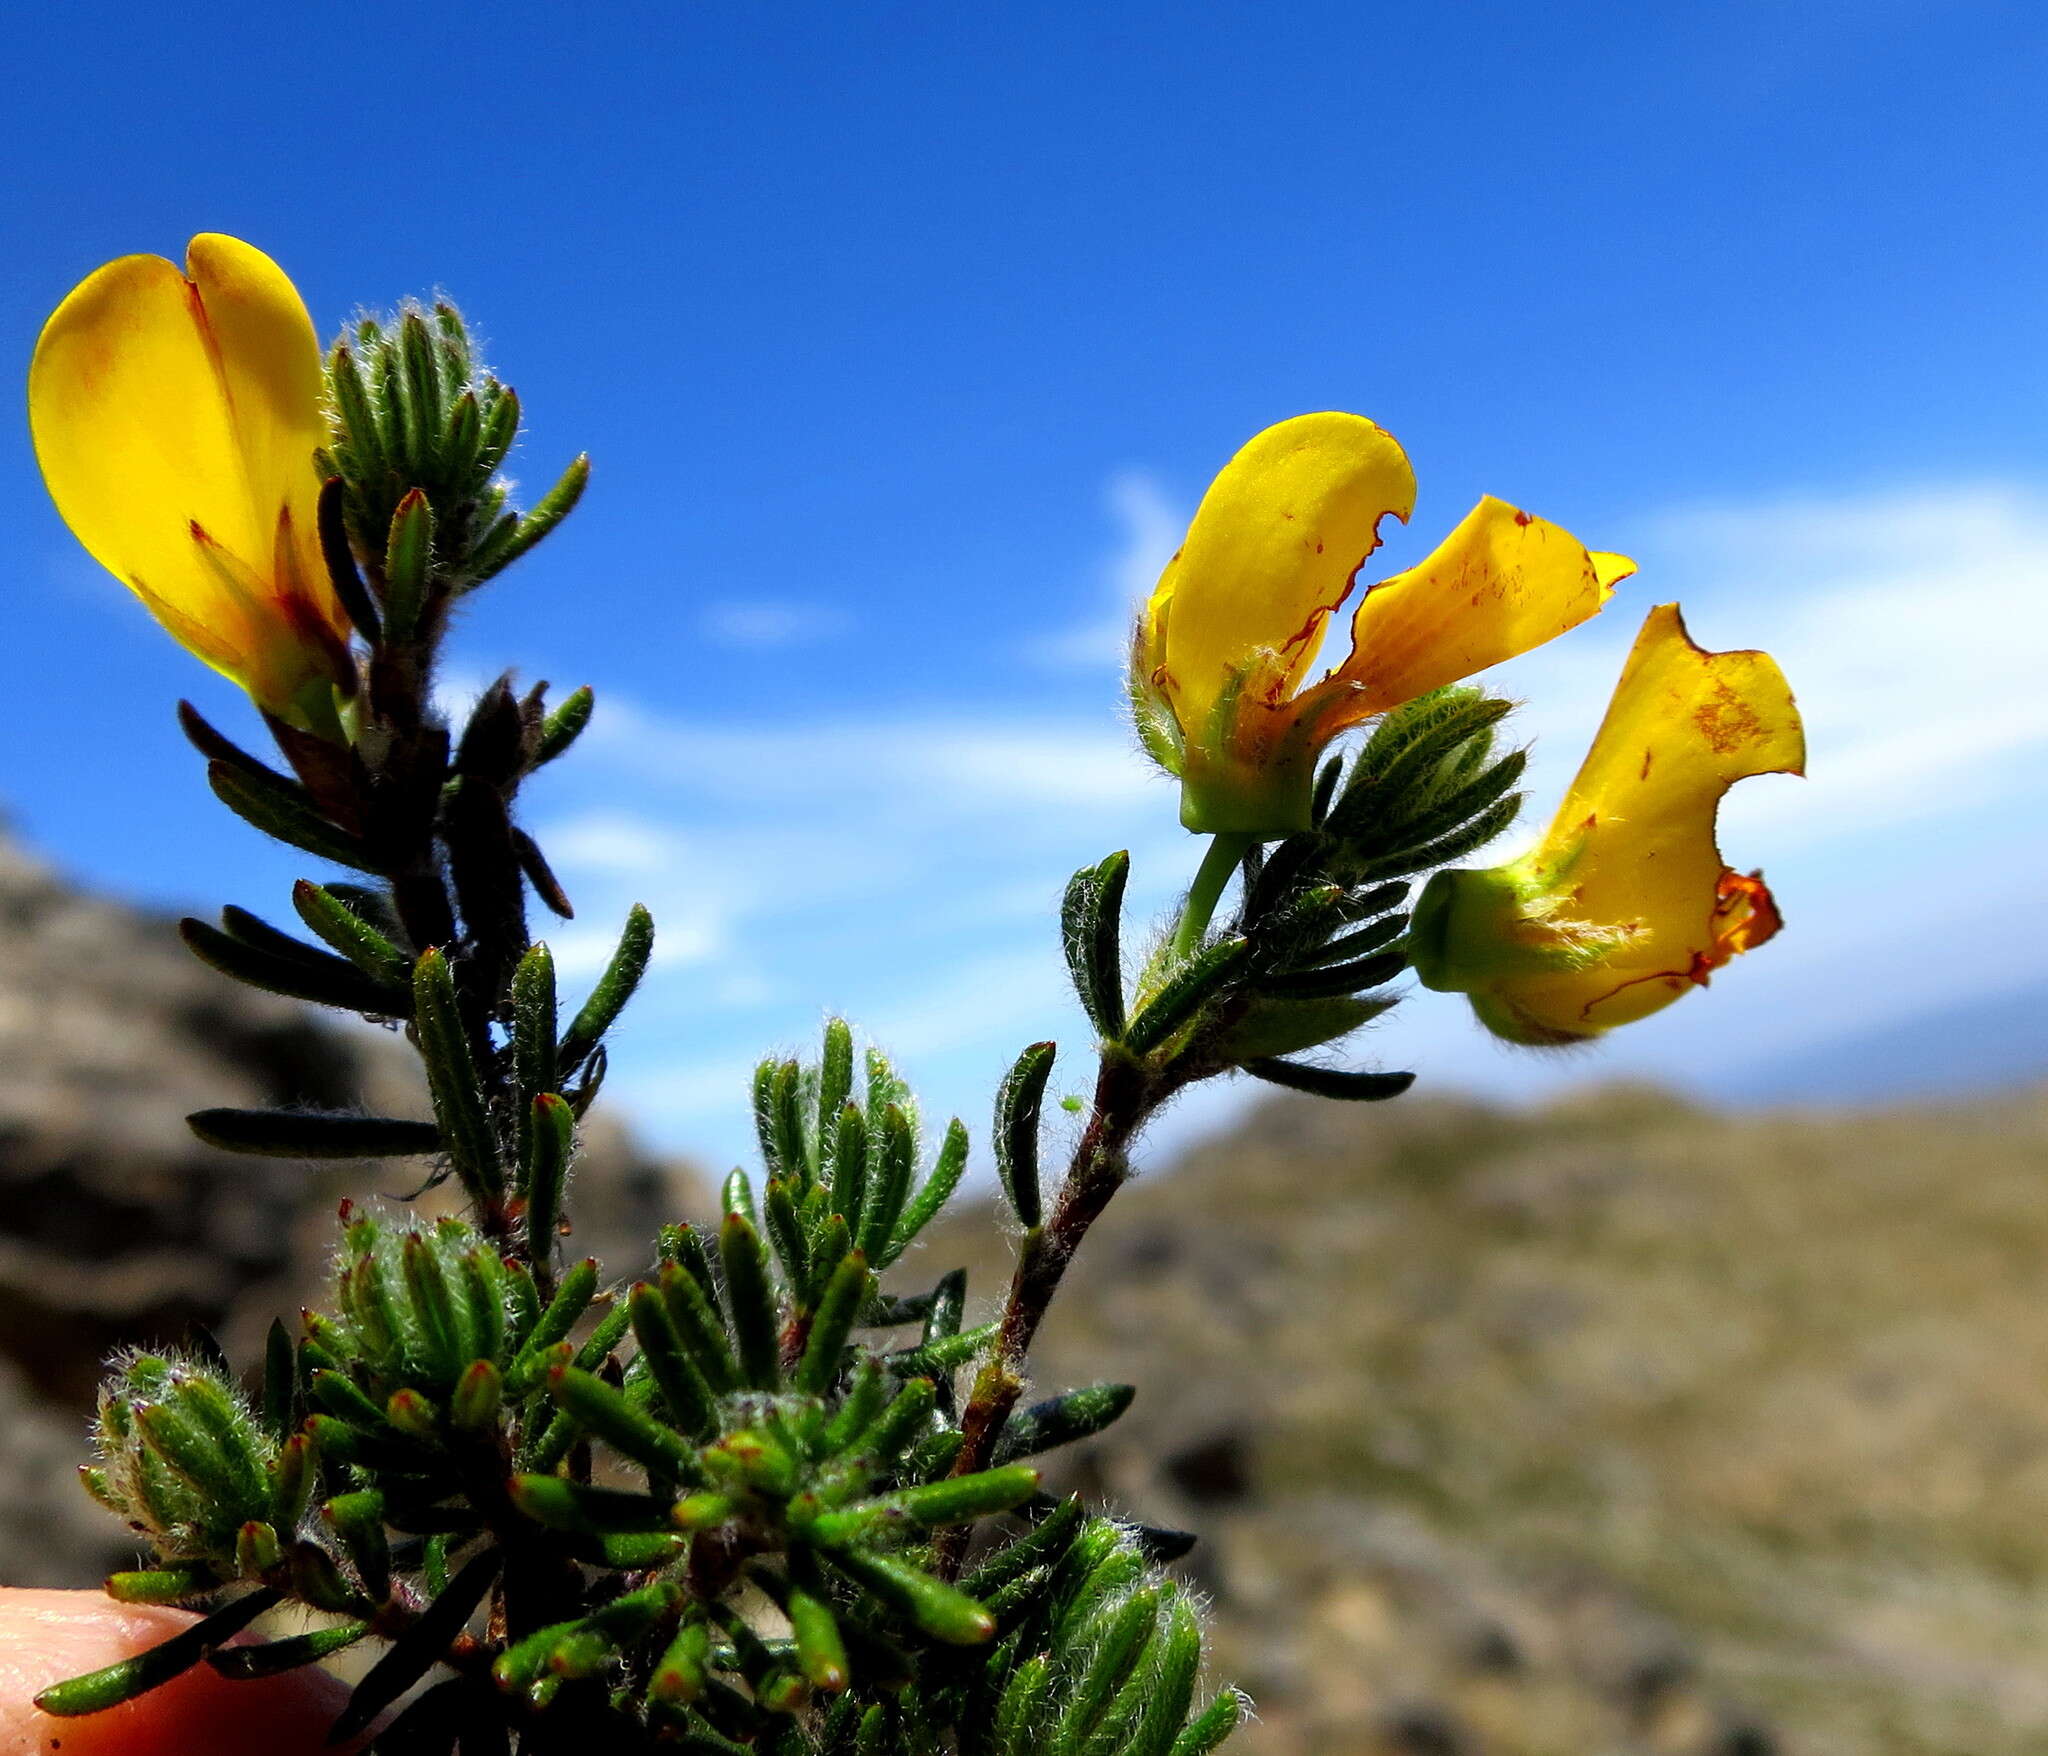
1632,849
1500,584
172,417
1270,554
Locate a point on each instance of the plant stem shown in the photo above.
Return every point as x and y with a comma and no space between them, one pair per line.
1222,859
1125,1095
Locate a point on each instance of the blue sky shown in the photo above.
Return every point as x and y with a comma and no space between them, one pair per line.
905,337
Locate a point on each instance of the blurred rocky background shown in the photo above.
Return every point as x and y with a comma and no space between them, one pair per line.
1623,1429
118,1228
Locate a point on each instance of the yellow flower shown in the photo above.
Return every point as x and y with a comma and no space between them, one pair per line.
1227,640
1625,904
175,420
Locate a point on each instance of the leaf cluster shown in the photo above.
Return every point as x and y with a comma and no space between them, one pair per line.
1318,932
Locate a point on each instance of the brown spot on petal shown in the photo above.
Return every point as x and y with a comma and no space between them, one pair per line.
1649,756
1524,518
1727,722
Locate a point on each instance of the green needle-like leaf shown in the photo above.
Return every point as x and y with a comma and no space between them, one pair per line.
1018,1103
123,1681
614,988
452,1079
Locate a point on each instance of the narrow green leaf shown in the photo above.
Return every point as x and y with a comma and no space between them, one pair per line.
937,1358
1331,1082
434,1302
352,404
578,1288
1369,938
1492,822
536,1060
954,1500
943,1611
408,569
614,988
862,1403
750,1303
1023,1712
682,1674
550,1144
357,1520
820,1651
1036,1548
259,934
1167,1685
452,1079
1337,979
308,1134
478,1399
284,813
786,1233
1191,987
850,1165
123,1681
889,1174
497,553
875,1449
1018,1103
609,1332
845,1294
561,1505
351,935
612,1417
1091,928
314,976
1062,1420
690,1402
697,1322
835,1086
1116,1645
1207,1730
162,1585
932,1196
563,726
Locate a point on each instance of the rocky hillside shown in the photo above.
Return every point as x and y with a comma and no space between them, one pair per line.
1620,1428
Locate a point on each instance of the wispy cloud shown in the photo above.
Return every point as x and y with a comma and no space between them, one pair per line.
1149,526
765,624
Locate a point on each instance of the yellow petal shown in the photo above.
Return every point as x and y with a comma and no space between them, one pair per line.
270,364
1500,584
1272,551
1632,848
158,404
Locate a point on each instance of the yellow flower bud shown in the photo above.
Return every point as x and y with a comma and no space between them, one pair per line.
175,418
1225,644
1626,903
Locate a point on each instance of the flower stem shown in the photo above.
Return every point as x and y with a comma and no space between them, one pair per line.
1124,1097
1225,852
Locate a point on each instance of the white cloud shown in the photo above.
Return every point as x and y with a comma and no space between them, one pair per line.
1149,528
764,624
